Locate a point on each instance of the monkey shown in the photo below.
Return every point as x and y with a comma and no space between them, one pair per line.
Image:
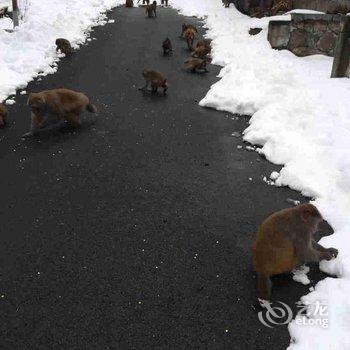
152,9
196,64
164,1
156,79
3,115
55,107
185,27
129,3
189,35
202,49
227,3
167,47
284,241
64,46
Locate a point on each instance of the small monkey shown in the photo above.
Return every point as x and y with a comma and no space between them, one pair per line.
167,47
227,3
284,241
156,79
196,64
152,9
129,3
189,35
57,106
164,1
3,115
64,46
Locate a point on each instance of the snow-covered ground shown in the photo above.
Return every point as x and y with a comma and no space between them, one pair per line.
301,120
30,49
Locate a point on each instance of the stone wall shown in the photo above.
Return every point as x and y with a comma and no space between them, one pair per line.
306,34
327,6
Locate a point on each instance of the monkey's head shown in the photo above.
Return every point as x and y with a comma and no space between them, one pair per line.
310,214
154,2
36,102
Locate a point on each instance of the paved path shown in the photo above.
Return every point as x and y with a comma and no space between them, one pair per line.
135,231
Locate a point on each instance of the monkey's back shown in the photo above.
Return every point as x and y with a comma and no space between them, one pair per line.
153,75
273,252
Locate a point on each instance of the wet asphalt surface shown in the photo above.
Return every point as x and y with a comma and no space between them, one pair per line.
135,231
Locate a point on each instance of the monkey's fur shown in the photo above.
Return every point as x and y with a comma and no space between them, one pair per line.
227,3
202,49
64,46
167,47
189,35
3,115
129,3
185,27
57,106
156,79
151,10
284,241
196,64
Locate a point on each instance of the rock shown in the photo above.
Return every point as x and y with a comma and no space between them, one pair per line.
298,38
334,27
306,51
254,31
327,42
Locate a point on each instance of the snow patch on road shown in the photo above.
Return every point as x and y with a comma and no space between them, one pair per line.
301,120
30,50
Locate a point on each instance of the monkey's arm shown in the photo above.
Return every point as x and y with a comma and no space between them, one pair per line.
305,252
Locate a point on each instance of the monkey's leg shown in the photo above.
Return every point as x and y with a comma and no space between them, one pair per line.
145,87
73,120
155,13
322,249
264,286
34,126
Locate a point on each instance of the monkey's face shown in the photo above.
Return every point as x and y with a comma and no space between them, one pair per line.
36,103
165,85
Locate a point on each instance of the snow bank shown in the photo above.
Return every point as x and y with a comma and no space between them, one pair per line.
30,49
301,120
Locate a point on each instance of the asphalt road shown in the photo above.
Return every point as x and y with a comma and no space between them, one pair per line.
135,231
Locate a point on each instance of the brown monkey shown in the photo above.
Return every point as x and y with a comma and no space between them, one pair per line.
185,27
129,3
152,9
3,115
189,35
201,51
167,47
284,241
64,46
196,64
57,106
156,79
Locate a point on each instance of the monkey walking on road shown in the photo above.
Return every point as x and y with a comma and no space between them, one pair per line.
196,65
284,241
56,107
156,79
151,10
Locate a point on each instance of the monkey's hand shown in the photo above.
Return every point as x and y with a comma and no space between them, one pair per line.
333,251
326,255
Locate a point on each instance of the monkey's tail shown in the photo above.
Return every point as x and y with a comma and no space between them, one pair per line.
91,108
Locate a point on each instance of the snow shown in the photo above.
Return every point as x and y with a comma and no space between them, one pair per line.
301,120
30,50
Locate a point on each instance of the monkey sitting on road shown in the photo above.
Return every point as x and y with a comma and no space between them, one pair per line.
129,3
57,106
284,241
64,46
196,65
156,79
202,49
3,115
189,35
167,47
152,9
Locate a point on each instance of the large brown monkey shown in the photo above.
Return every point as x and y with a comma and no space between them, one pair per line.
284,241
156,79
57,106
